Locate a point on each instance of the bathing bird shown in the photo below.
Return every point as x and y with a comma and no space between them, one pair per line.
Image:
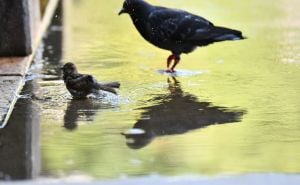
175,30
81,85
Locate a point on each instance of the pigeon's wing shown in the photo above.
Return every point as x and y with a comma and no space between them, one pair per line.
177,25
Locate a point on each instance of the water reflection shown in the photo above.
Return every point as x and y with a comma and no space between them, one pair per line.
256,81
19,141
177,113
80,110
53,46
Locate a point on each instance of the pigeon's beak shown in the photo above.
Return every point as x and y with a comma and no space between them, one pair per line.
122,11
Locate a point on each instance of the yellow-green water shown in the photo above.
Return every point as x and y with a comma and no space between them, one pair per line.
257,79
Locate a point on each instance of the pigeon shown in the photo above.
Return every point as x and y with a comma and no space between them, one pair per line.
81,85
175,30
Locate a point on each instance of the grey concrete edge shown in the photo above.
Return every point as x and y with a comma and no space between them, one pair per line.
13,102
49,13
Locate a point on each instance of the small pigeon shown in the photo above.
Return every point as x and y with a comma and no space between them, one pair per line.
175,30
81,85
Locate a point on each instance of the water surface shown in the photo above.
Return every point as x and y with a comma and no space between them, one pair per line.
234,107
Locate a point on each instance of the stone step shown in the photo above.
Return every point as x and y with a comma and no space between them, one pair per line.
13,69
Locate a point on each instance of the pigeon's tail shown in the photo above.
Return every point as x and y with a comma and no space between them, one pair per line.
109,87
217,34
222,34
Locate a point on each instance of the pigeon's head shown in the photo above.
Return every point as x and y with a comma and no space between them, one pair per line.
133,6
69,68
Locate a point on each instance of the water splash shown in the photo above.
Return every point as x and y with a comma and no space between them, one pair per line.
182,73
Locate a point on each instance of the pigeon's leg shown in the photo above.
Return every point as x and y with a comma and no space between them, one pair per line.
170,58
169,61
177,59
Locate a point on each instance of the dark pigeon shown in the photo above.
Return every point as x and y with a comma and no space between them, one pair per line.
81,85
175,30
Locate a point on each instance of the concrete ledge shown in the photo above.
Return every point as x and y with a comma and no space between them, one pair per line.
15,34
13,66
9,85
13,69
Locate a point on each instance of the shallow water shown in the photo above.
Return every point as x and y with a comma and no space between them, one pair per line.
232,108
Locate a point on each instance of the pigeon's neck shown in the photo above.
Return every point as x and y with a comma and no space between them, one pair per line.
140,9
140,15
140,22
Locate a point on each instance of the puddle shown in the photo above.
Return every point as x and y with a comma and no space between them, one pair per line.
239,115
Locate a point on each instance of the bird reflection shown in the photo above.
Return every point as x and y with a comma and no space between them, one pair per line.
178,112
80,110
